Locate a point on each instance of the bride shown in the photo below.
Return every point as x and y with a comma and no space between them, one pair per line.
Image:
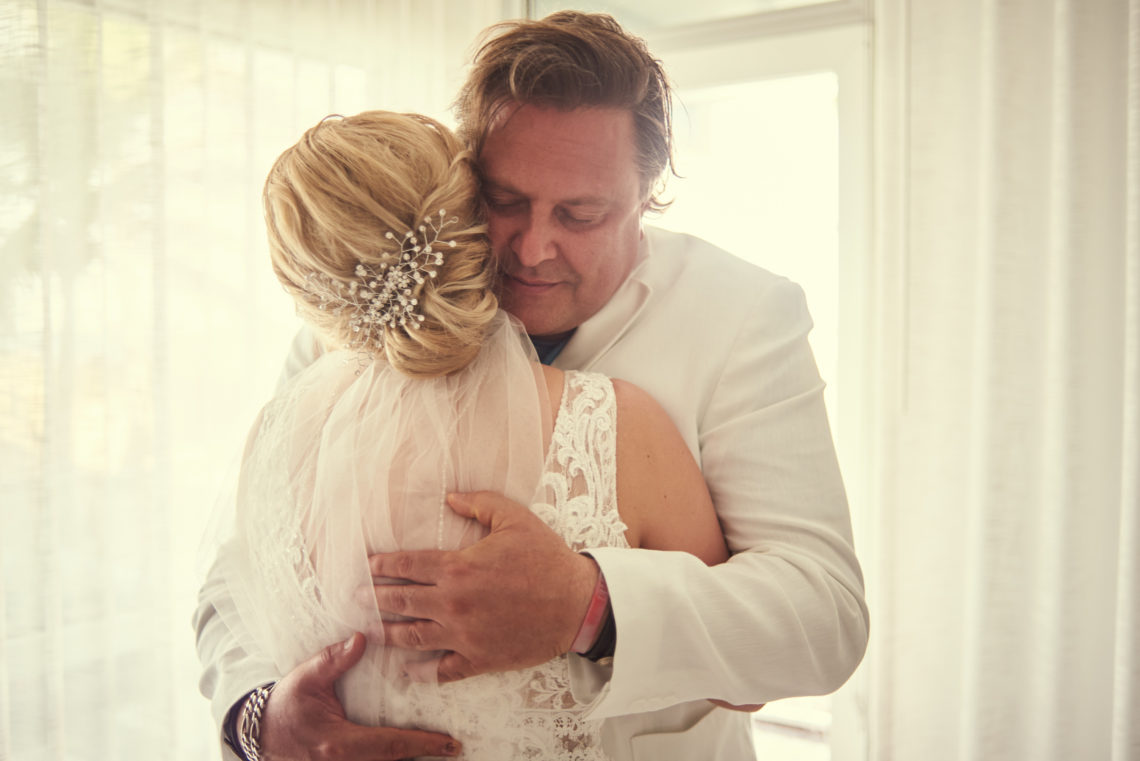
426,388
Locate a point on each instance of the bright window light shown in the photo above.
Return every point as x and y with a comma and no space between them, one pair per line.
760,178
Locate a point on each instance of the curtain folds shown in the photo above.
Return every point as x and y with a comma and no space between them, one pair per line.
1126,687
1005,571
141,326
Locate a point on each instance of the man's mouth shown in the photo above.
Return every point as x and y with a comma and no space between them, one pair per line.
530,286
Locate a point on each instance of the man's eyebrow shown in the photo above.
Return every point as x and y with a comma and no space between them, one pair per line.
493,186
586,201
489,184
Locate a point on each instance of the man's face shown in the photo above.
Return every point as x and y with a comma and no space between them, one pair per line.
564,202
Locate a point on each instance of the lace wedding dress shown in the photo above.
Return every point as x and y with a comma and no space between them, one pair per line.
353,459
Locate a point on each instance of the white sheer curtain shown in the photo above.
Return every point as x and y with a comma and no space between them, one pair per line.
140,325
1004,575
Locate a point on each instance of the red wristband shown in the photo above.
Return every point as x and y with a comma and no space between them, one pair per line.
595,615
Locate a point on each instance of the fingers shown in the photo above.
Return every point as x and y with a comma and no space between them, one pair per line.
423,671
419,566
415,635
330,664
488,507
453,667
410,600
304,716
383,744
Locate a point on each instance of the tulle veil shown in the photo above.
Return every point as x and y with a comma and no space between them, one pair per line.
353,458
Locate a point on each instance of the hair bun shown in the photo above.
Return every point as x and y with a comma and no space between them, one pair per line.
338,205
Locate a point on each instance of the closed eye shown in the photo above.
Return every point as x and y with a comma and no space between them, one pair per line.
580,218
504,204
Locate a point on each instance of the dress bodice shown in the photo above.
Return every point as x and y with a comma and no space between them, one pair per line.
350,460
531,713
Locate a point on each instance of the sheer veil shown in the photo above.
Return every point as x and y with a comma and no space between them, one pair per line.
353,458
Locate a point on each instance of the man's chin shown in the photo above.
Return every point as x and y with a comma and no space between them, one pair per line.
535,319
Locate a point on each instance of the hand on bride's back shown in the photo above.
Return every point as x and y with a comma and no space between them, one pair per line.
511,600
304,721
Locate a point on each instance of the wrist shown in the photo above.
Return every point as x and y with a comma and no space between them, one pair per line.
242,729
230,724
595,618
606,643
597,635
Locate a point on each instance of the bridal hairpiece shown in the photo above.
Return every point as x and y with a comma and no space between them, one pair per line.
384,295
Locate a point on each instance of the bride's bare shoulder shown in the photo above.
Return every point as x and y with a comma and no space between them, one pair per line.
660,487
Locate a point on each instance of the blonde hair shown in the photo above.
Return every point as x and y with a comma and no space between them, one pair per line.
572,60
331,198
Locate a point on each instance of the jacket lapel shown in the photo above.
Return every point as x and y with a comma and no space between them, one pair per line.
596,335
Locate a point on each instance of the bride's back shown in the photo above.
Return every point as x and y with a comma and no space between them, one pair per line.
427,388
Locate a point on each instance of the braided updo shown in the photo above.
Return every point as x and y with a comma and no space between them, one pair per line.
331,199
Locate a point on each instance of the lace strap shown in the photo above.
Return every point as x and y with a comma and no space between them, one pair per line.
581,469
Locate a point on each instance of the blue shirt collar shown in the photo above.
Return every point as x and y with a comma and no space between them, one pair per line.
548,349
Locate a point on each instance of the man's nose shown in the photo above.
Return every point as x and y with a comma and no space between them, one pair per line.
534,242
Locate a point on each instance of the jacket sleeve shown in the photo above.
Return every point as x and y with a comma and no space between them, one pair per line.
785,616
228,670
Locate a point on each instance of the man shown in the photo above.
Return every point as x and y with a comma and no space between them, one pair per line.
570,120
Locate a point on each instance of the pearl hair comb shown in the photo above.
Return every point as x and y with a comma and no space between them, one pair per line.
386,295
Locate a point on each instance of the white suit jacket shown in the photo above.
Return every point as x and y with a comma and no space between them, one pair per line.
722,345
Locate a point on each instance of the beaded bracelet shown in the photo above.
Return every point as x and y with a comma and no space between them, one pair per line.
249,728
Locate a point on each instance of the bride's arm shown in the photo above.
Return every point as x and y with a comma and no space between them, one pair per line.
662,496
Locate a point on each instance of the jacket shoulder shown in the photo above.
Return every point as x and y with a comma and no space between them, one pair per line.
683,265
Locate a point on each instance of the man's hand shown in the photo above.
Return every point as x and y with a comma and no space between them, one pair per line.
304,720
513,599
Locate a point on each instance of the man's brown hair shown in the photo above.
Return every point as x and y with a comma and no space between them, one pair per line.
572,60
